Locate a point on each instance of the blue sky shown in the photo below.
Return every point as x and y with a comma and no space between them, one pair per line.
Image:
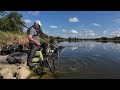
81,24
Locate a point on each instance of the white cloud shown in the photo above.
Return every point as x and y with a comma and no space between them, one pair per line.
74,47
64,30
88,32
105,32
64,35
53,27
116,33
80,34
35,13
74,19
96,24
117,20
27,21
73,32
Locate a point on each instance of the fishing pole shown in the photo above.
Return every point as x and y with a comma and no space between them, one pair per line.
28,28
49,66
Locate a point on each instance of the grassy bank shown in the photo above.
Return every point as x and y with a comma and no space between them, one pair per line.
11,38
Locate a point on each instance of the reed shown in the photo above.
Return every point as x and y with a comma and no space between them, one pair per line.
12,38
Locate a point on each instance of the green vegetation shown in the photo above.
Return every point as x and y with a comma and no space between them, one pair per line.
53,39
11,22
11,30
11,38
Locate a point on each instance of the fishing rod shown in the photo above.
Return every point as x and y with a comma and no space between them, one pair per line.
28,28
49,66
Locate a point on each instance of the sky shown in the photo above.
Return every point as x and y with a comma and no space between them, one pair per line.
80,24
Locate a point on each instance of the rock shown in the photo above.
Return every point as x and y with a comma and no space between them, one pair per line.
24,64
14,78
23,73
7,73
34,77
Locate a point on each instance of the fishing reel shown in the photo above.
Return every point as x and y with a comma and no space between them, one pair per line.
53,53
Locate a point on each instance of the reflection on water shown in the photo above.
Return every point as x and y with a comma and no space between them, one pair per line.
89,60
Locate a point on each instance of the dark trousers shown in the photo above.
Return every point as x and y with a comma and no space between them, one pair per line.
34,48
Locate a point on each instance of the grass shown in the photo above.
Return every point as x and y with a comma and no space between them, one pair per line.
11,38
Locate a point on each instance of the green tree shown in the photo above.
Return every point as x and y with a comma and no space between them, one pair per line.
11,22
51,39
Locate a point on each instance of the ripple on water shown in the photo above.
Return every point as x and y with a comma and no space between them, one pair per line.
76,64
71,64
117,60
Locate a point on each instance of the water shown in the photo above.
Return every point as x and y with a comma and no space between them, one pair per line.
89,60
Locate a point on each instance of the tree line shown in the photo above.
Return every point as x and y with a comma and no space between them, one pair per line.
13,22
101,38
